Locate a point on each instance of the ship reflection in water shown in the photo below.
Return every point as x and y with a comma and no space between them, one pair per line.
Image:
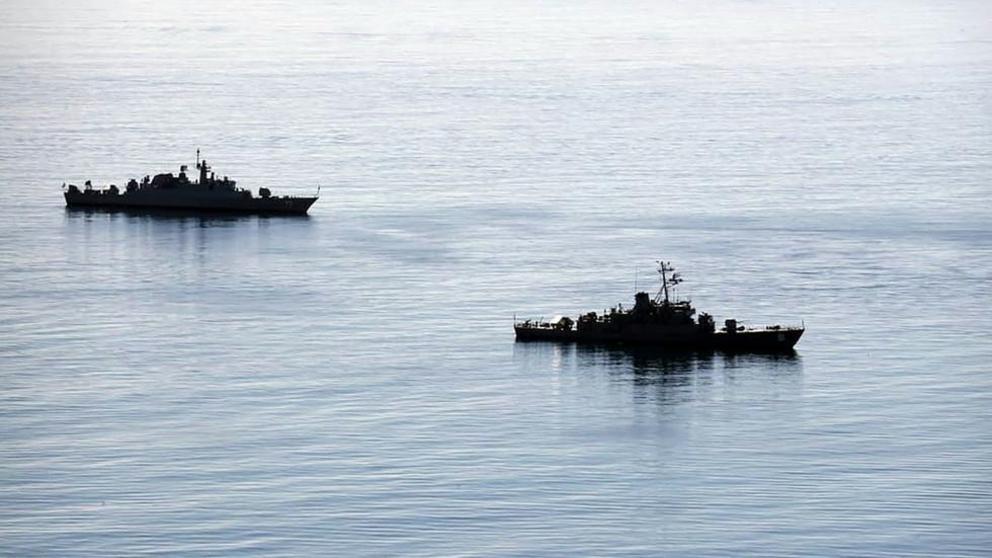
168,238
166,214
666,377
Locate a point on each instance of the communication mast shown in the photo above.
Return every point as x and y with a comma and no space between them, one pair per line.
664,269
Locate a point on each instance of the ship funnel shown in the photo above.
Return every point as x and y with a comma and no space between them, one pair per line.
642,301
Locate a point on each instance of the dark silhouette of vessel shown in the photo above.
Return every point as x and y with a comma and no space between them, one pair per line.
168,192
661,323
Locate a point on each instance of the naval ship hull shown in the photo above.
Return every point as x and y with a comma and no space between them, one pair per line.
780,340
189,201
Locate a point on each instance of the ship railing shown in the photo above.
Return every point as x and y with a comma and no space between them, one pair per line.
748,326
537,323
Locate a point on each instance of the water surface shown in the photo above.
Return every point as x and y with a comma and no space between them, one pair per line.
348,383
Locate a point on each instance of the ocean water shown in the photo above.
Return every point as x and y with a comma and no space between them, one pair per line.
348,384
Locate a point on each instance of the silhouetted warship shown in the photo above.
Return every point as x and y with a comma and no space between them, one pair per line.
661,323
169,192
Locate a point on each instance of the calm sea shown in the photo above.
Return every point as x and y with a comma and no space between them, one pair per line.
348,384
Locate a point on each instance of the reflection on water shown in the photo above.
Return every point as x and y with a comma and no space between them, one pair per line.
204,218
181,246
666,377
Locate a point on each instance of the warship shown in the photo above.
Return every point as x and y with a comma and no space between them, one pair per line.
662,323
169,192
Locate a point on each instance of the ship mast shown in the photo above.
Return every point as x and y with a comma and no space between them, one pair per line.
202,167
664,268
